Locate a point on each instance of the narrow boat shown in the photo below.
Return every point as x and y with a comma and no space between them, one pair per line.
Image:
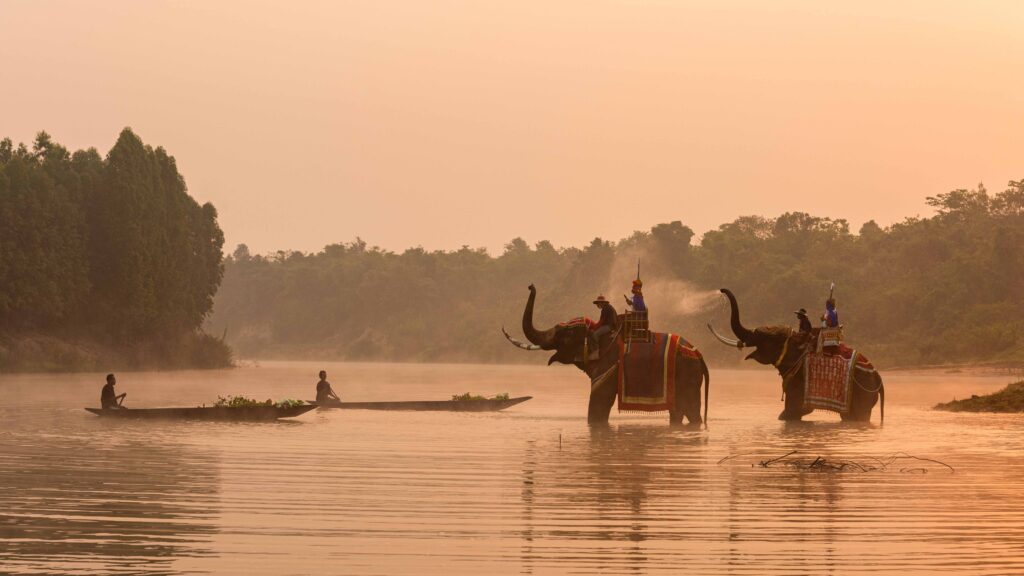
488,405
237,414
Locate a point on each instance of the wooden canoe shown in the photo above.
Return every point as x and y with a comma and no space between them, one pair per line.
488,405
239,414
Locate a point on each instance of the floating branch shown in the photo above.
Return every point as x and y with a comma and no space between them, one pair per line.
822,464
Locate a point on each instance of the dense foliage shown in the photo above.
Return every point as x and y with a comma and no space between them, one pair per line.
109,251
942,289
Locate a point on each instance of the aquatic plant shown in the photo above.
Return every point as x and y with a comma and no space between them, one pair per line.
468,396
243,402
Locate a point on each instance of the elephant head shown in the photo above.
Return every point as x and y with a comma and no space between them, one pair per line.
567,340
770,343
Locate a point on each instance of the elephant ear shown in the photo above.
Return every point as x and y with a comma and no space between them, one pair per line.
769,344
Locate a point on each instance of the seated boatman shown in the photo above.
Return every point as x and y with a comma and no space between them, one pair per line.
604,326
109,400
324,392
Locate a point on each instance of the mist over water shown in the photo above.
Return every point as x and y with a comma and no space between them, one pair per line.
662,287
529,490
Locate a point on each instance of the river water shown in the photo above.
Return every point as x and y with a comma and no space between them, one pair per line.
528,490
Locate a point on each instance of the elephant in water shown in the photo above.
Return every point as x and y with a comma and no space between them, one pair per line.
569,343
785,349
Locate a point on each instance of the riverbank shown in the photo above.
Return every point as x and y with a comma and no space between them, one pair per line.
47,353
1009,399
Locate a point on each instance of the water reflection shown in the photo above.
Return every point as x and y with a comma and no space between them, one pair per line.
91,507
531,490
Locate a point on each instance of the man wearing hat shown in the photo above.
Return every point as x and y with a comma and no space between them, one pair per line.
604,326
805,322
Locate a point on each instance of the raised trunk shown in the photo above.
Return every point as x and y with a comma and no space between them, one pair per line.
546,338
746,336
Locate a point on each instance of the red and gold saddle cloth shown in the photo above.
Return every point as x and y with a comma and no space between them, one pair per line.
647,372
579,321
829,376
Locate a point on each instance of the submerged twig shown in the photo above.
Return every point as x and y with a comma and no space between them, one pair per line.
767,463
822,464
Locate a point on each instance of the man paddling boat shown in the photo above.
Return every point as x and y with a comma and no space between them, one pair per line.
110,400
324,392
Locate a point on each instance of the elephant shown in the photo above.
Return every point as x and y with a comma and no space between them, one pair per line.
569,343
785,349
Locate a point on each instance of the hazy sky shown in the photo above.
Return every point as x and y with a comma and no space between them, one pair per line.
442,123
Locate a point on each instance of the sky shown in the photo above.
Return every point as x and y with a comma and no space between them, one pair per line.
447,123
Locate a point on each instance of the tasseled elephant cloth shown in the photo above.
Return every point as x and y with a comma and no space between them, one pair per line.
647,372
828,378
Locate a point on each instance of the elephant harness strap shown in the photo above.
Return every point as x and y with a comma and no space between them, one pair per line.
786,373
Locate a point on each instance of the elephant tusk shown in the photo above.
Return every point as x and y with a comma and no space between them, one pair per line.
519,344
724,340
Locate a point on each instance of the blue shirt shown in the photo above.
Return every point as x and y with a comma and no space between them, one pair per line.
638,303
831,316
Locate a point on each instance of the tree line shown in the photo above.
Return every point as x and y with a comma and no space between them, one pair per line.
104,253
943,289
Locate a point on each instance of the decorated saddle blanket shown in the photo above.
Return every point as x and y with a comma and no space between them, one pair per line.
828,378
581,321
647,372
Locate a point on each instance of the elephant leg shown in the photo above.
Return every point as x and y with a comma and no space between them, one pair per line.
602,398
675,417
857,414
863,399
794,409
689,377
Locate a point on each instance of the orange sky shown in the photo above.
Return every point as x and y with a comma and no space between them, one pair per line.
442,123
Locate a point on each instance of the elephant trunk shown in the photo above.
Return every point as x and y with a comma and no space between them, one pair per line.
543,338
746,336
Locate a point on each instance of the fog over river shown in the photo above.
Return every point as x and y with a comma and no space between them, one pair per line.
529,490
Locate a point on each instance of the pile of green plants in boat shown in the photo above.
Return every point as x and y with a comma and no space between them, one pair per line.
1009,399
467,396
243,402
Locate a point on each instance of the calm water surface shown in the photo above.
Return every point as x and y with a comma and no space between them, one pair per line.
529,490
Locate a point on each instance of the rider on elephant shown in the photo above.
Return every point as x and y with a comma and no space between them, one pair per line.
831,335
805,322
831,315
637,301
603,326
